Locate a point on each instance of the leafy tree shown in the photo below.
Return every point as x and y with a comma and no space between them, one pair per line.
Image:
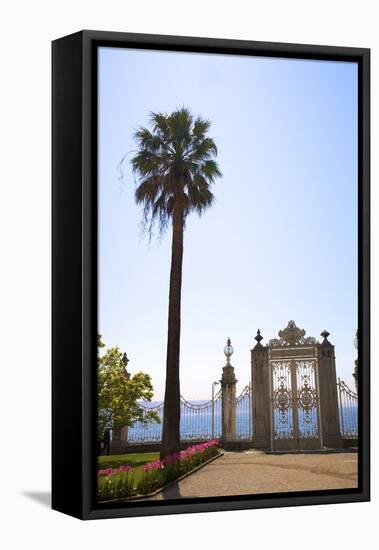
175,168
119,393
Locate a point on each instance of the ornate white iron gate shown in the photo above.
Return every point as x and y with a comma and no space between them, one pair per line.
294,392
348,409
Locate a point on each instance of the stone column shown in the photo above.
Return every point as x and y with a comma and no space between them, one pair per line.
124,436
330,423
228,403
260,380
119,440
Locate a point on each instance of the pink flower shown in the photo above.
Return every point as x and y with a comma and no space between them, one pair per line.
182,455
106,472
152,466
123,468
112,471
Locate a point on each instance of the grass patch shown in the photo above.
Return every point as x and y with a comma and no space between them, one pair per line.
134,460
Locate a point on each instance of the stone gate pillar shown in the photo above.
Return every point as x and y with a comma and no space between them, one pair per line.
228,398
119,440
330,423
260,395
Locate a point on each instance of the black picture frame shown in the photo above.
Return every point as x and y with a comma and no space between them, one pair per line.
74,271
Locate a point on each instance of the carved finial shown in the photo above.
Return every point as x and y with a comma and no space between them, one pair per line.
325,334
259,337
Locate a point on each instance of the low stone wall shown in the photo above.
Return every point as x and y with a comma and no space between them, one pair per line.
349,442
237,445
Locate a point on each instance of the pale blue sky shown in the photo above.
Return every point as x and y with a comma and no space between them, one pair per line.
280,242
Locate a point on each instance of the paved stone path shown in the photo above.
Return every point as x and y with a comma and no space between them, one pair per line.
253,472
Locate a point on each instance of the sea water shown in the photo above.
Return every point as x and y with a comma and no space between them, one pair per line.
198,425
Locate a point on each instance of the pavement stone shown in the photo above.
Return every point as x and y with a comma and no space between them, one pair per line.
255,472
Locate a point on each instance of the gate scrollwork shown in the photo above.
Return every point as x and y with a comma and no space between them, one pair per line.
295,407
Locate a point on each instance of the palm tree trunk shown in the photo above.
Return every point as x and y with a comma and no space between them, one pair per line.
171,412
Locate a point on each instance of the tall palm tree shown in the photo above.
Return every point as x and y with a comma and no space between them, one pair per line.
175,169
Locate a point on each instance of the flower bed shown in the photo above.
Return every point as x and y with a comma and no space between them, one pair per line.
124,482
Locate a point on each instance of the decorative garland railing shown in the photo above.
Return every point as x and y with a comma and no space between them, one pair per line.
244,414
195,422
198,421
202,420
151,431
348,410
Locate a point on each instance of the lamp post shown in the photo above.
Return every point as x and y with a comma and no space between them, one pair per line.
228,396
213,408
228,350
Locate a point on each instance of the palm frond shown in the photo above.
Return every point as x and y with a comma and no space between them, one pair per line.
175,167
